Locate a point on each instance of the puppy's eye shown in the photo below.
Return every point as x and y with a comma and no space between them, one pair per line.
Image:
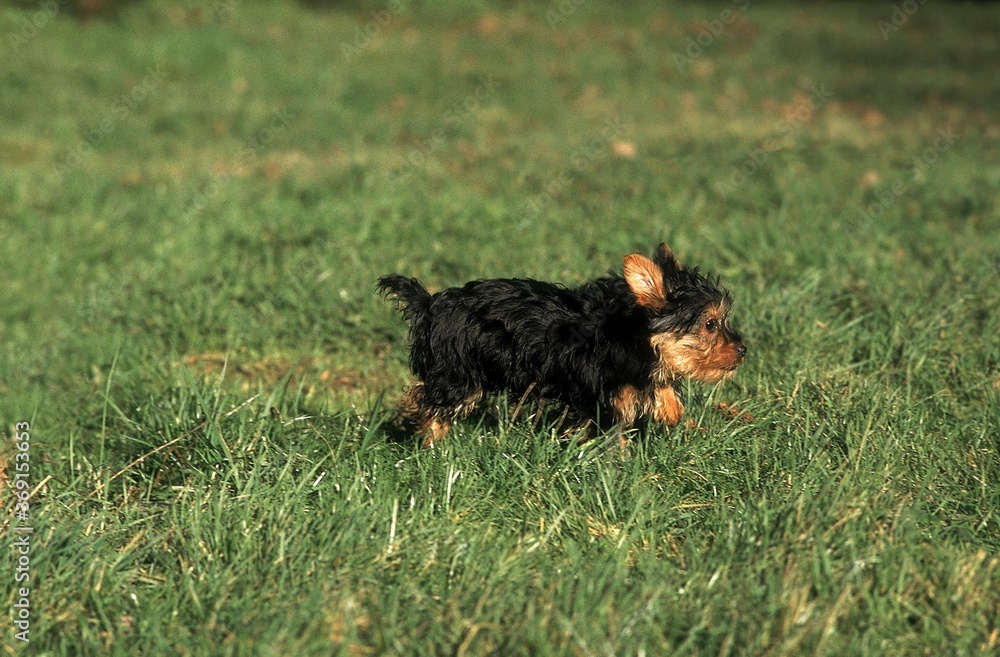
712,325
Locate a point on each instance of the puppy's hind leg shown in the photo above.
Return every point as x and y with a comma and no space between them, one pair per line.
415,416
432,419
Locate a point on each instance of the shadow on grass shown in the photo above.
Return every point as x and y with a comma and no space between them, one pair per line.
538,419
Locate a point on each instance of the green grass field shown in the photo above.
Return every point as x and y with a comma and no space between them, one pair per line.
196,200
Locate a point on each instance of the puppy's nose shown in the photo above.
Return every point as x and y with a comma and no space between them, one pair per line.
741,349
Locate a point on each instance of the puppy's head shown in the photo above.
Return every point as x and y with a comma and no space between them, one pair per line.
688,317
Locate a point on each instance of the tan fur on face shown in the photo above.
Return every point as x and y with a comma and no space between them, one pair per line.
702,355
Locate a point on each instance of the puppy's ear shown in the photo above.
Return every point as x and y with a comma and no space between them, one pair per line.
645,279
666,258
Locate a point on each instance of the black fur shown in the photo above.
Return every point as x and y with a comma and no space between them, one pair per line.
690,292
575,346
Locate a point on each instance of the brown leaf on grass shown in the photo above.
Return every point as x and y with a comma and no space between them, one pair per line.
869,179
872,118
88,10
734,412
745,28
799,110
132,179
470,152
272,171
869,117
623,149
347,616
703,68
279,164
589,94
689,102
598,529
693,424
489,25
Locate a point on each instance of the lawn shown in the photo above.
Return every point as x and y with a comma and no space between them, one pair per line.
196,200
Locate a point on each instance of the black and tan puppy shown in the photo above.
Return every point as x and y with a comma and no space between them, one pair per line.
611,350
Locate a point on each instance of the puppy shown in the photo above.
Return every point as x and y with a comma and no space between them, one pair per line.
613,350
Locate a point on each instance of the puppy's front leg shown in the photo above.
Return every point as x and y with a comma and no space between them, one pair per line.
667,406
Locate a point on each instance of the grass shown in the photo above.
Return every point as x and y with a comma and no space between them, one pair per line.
197,201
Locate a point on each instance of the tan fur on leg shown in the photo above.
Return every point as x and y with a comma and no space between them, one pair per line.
667,407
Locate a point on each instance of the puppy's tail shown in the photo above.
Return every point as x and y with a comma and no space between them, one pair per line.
414,300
